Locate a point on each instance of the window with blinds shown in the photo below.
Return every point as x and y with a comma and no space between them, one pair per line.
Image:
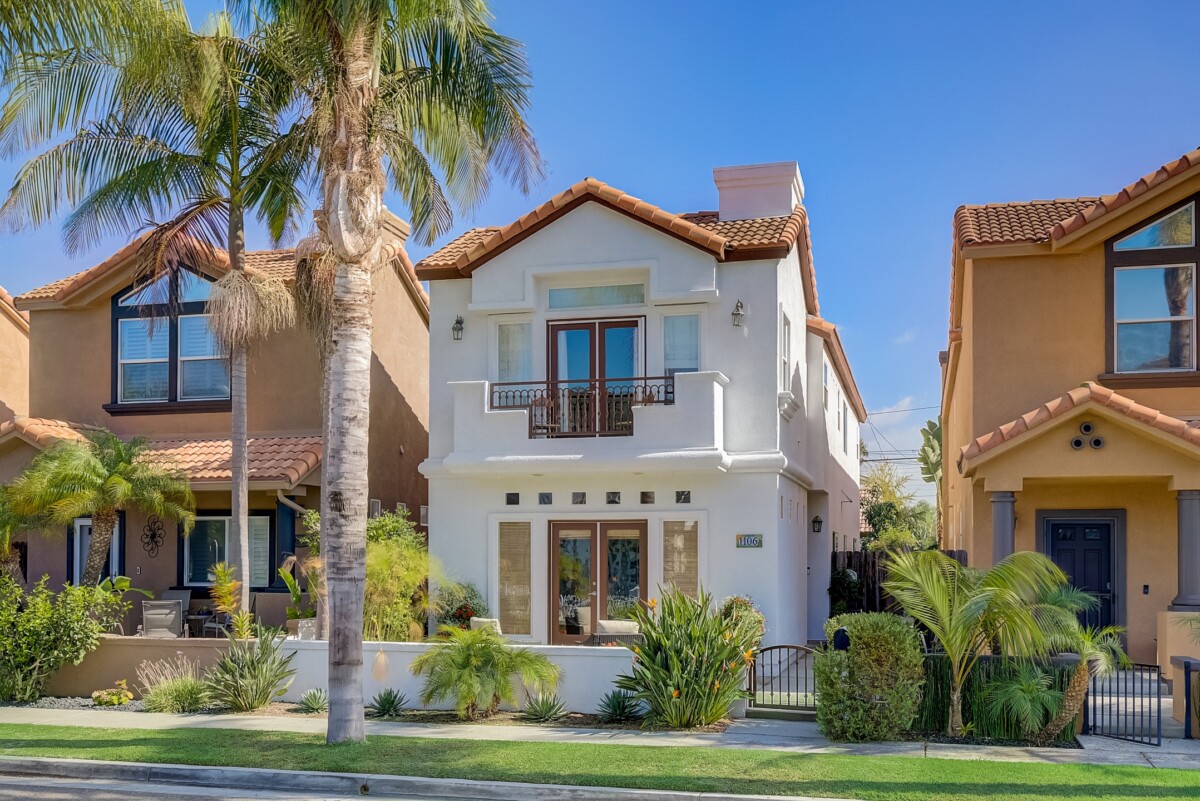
209,543
515,579
681,559
203,367
260,552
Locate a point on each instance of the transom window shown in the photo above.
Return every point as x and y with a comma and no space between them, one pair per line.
1153,288
579,297
164,348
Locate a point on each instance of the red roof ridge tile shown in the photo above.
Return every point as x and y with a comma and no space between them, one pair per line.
1088,392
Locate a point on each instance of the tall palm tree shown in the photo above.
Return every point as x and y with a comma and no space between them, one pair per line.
399,91
972,612
177,124
98,478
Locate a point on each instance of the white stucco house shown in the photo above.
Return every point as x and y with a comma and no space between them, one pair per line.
623,398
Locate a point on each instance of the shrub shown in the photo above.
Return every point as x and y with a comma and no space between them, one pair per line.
117,695
544,709
1026,697
180,695
691,665
40,631
394,605
314,701
478,670
387,703
871,691
460,603
619,706
934,709
251,673
740,610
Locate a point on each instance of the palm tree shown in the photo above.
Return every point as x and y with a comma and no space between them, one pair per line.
177,124
98,478
397,91
972,612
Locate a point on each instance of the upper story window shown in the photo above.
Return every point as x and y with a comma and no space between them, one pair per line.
581,297
681,343
164,349
825,384
1152,295
785,354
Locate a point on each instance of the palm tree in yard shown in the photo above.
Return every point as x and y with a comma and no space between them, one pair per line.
973,612
427,97
98,478
174,125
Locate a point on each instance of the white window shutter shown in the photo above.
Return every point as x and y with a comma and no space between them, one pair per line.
260,552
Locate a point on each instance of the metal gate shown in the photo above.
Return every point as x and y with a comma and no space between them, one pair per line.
1126,705
782,678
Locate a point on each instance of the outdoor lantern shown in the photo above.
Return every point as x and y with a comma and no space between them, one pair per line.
739,311
817,523
458,328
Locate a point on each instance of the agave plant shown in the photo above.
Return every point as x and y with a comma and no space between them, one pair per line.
387,703
620,706
478,670
314,701
544,709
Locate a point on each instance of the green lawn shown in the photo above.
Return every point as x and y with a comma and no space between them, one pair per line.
674,768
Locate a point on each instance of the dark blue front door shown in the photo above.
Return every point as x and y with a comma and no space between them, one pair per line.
1083,549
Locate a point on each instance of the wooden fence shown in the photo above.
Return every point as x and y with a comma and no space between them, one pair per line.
857,583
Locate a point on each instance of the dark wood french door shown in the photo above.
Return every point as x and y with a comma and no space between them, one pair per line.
592,367
1084,551
598,571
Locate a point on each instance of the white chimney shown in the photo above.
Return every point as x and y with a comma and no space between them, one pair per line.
759,190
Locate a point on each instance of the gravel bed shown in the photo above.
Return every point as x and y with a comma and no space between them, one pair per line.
78,703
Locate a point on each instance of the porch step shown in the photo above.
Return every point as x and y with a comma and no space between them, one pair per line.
781,714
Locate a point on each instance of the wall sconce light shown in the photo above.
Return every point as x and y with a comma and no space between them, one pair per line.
739,312
817,522
457,328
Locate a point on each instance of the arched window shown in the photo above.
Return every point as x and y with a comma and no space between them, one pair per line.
1152,295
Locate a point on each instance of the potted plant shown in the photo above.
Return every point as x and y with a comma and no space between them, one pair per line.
297,610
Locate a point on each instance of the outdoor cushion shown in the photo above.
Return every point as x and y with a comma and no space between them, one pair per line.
617,627
484,622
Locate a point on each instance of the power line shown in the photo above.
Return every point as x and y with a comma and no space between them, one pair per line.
903,411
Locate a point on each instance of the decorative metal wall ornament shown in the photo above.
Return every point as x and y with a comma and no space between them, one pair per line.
153,535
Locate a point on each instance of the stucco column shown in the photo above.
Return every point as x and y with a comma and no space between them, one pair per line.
1004,524
1188,558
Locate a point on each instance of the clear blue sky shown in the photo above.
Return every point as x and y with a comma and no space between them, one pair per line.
896,112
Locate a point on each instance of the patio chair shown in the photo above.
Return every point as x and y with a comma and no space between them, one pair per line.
486,622
162,620
616,632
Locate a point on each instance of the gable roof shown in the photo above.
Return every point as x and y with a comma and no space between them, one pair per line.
841,365
1088,393
279,264
726,240
9,310
282,460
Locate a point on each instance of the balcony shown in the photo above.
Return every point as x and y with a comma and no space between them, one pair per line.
607,425
600,407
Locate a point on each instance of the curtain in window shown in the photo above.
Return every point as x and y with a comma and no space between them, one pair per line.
515,354
516,591
681,343
681,560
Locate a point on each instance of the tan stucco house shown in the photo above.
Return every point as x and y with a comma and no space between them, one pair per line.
14,359
95,361
1071,396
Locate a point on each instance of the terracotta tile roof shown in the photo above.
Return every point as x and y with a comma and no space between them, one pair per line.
1089,392
477,246
1107,203
43,432
1004,223
279,264
9,309
282,459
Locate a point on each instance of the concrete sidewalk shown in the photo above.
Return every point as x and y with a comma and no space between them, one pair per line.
775,735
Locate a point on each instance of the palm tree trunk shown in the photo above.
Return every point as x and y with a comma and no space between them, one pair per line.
239,462
103,524
1072,703
955,726
10,565
352,191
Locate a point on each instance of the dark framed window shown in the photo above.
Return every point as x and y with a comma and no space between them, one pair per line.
165,357
1151,301
209,543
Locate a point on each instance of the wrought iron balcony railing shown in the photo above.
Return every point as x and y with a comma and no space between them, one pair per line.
598,407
